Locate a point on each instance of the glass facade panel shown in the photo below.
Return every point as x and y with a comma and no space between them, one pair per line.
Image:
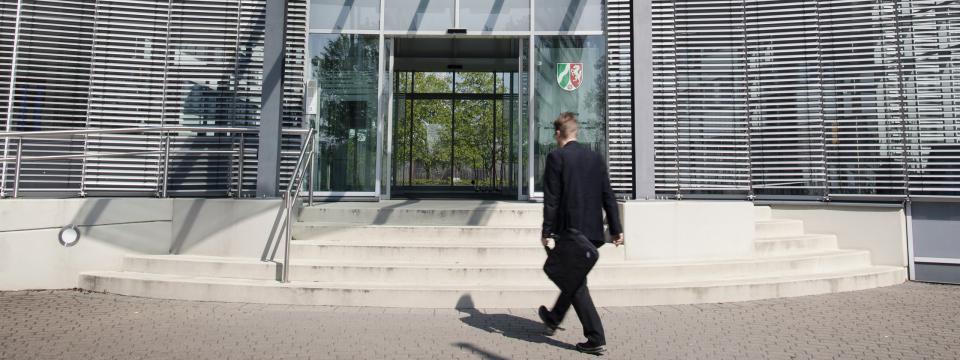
345,68
431,126
569,15
570,76
345,15
419,15
495,15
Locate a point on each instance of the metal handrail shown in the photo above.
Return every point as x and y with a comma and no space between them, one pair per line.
164,131
303,167
129,130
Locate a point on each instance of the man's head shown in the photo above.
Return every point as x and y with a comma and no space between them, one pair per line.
565,128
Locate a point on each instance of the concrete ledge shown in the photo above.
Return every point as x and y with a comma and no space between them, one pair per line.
685,230
110,228
880,230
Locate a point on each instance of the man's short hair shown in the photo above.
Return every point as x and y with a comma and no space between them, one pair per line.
566,124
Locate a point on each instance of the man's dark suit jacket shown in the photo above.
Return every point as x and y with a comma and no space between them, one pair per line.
576,187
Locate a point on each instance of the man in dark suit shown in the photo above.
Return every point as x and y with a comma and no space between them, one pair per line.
576,189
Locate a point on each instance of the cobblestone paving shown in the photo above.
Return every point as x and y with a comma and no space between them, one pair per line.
901,322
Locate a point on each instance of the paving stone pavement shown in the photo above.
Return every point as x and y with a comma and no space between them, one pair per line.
909,321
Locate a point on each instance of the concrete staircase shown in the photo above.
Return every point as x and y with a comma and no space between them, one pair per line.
445,254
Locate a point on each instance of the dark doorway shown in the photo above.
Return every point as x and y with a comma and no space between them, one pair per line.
455,127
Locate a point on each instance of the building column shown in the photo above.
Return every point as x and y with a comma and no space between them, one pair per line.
271,109
643,140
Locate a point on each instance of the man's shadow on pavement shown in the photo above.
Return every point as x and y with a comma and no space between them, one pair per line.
511,326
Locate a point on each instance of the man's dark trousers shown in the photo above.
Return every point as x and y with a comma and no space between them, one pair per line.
586,311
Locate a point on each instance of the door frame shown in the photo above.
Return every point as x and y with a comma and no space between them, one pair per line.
385,172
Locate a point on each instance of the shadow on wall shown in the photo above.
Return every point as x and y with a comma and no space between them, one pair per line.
224,227
136,224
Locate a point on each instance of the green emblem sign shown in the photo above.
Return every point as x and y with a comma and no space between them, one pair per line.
569,75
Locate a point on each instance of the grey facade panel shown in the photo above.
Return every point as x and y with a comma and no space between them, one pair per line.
643,121
936,230
938,273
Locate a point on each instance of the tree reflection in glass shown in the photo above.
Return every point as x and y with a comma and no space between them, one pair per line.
345,69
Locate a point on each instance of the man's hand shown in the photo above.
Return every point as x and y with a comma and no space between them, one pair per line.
617,239
546,242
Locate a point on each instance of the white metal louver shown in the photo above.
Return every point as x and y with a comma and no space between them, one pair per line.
700,98
620,114
862,119
806,98
784,100
8,22
930,34
664,43
50,87
131,63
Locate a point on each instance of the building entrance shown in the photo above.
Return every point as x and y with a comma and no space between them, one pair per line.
450,116
456,118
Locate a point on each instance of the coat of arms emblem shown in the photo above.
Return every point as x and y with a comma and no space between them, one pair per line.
569,75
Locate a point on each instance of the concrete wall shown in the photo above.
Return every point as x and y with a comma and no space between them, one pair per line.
32,258
882,230
688,230
225,227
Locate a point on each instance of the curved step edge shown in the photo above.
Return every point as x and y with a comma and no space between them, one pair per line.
394,295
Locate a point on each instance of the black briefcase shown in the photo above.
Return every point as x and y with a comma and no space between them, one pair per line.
570,260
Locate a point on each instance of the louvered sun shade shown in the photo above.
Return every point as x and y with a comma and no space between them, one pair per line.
784,101
8,19
51,86
700,98
806,99
620,112
930,34
132,63
862,120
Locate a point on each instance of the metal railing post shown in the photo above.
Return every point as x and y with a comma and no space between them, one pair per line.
288,206
231,175
240,167
166,165
83,167
16,171
310,168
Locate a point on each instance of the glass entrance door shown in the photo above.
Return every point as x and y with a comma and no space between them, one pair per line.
454,134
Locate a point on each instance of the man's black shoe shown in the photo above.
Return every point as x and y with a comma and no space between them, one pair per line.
588,348
551,326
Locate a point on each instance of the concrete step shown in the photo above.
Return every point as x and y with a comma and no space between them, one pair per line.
464,234
449,213
451,296
437,251
490,274
777,228
794,244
